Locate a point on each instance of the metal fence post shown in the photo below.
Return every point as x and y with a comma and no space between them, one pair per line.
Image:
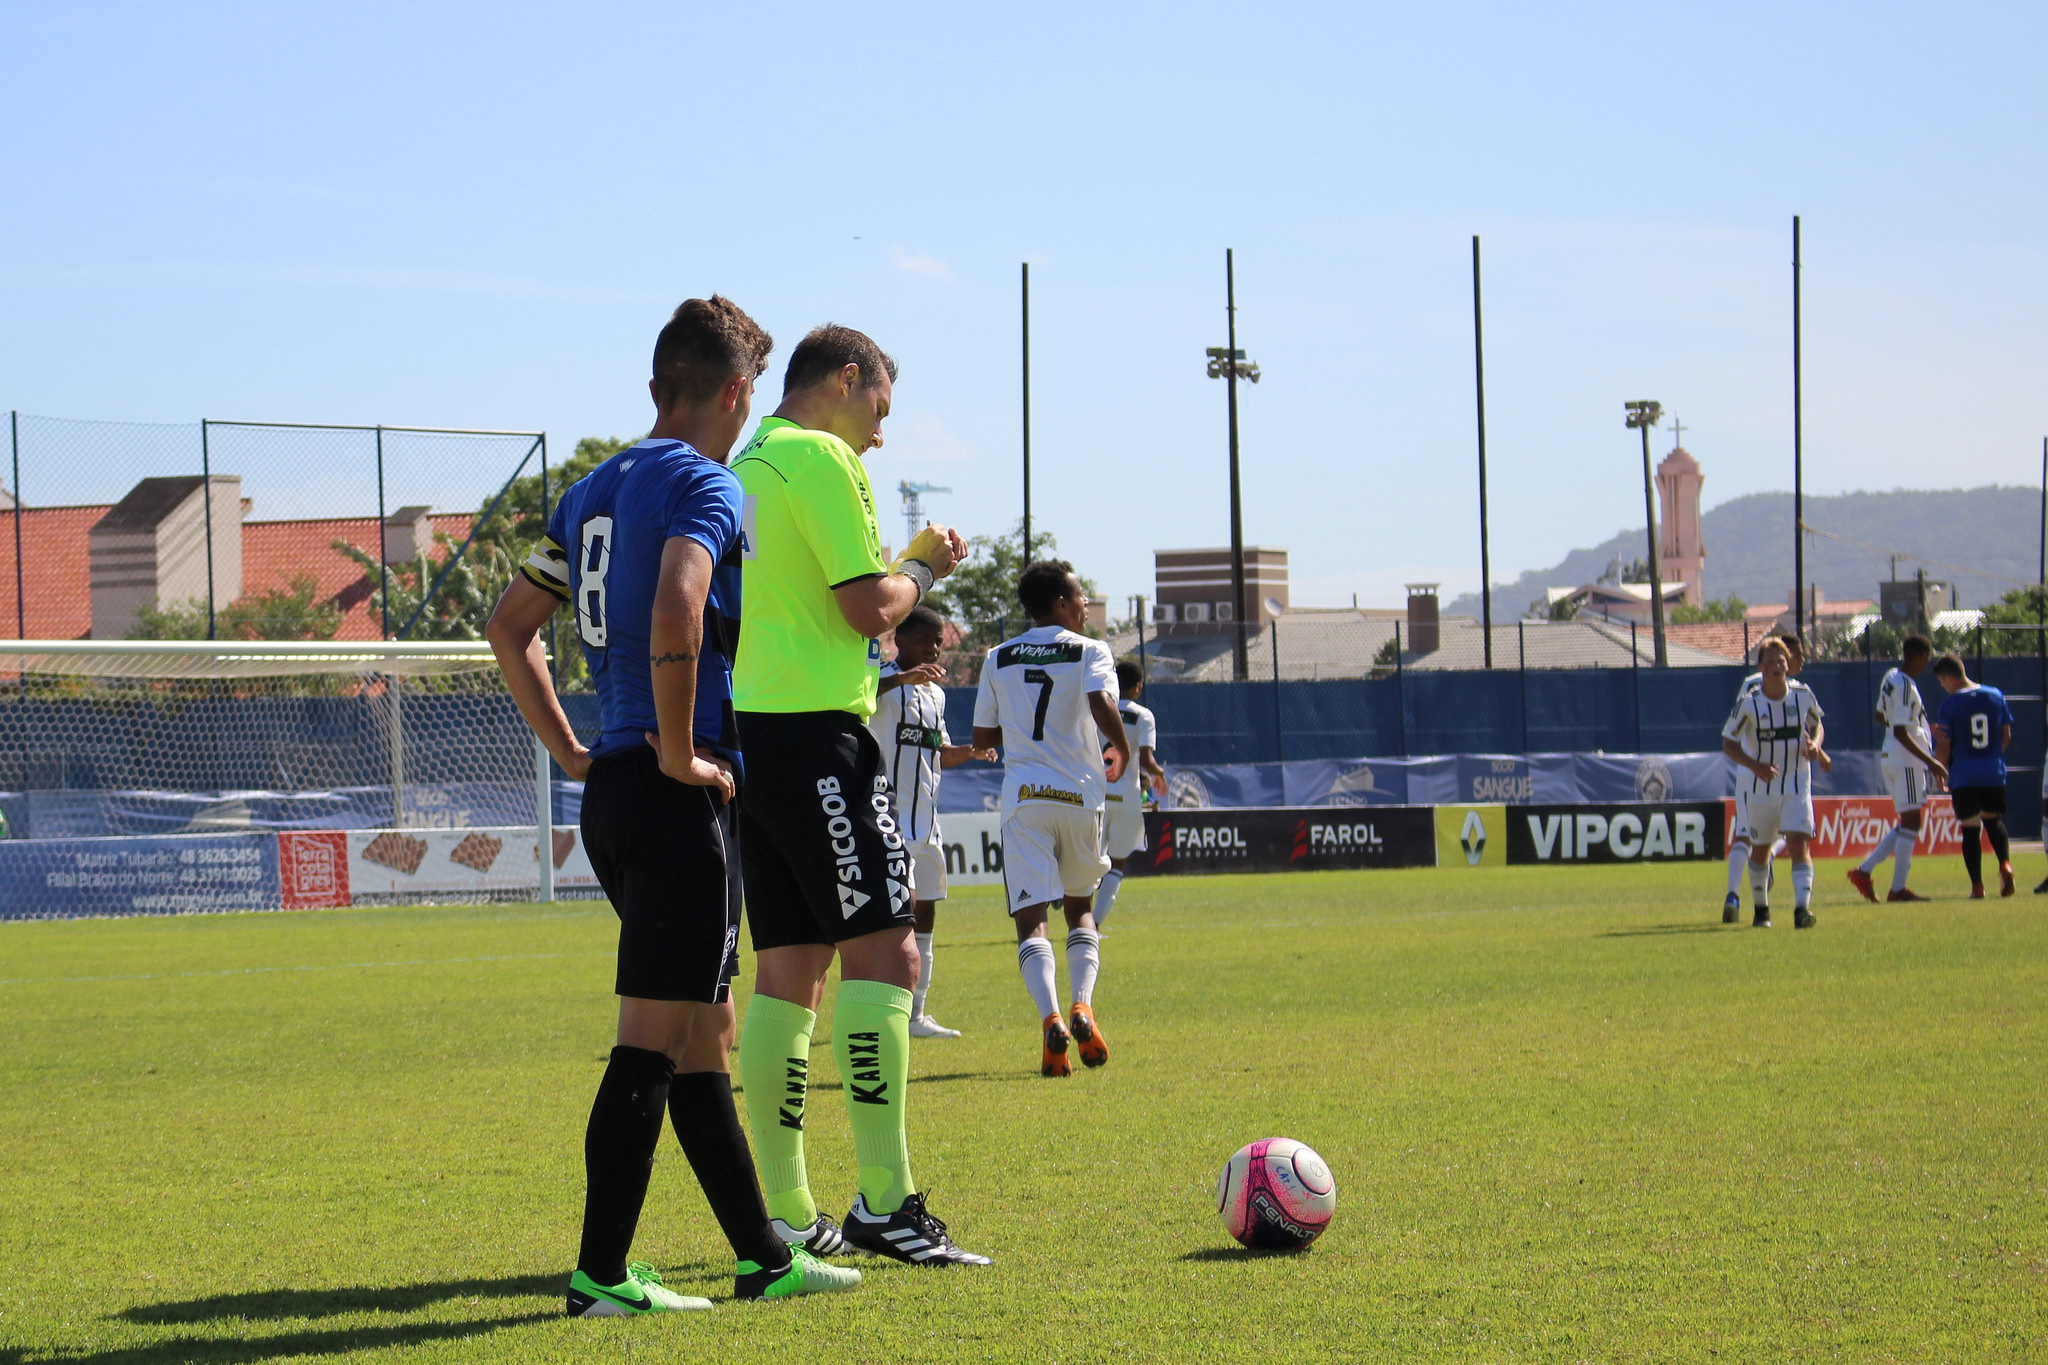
1400,693
544,820
20,597
547,511
1522,675
1635,668
206,480
383,548
1279,742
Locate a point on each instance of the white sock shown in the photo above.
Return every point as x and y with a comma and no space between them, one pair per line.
924,975
1902,849
1084,960
1738,856
1771,861
1760,885
1035,964
1105,895
1802,885
1880,853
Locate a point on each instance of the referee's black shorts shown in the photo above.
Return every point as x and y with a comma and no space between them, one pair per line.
824,860
1973,802
667,855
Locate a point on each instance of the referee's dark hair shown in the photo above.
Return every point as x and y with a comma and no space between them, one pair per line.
1950,666
706,343
830,349
1916,647
1128,676
923,621
1043,584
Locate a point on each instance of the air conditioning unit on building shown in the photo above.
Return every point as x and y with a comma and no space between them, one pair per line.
1224,612
1164,613
1194,611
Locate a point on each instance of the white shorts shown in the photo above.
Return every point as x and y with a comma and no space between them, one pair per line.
1906,780
1123,824
1764,818
1051,850
927,871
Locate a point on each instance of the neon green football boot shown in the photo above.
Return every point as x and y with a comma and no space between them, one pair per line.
806,1275
640,1292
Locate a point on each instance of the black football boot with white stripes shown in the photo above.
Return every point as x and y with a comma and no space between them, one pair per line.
911,1235
822,1238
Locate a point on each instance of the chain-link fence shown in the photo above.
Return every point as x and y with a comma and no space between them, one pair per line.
251,530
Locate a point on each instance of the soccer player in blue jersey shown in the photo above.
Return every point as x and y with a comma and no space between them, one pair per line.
646,547
1970,735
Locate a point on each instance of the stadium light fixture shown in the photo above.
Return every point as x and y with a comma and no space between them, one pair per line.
1642,415
1229,364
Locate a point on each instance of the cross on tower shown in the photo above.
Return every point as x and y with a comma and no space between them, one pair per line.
1677,430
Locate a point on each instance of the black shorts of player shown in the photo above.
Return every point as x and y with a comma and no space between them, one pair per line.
824,861
1976,801
667,854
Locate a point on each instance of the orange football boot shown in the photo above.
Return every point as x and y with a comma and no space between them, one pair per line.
1055,1062
1860,879
2006,887
1094,1047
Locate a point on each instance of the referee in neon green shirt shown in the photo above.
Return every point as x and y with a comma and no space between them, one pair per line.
824,866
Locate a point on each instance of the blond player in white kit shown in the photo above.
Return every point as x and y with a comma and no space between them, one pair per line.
1048,699
910,725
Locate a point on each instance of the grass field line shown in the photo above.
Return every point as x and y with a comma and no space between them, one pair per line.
326,967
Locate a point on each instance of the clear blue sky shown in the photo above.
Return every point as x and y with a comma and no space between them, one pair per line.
480,215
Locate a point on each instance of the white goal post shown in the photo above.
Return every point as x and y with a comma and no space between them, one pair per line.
120,738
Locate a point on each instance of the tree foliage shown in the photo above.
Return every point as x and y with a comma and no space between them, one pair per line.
459,593
293,612
981,593
1729,608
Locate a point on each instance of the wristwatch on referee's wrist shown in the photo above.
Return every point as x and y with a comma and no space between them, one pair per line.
918,572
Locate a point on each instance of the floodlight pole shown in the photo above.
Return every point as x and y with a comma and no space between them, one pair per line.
1479,389
20,593
1025,302
1798,459
1642,415
1240,660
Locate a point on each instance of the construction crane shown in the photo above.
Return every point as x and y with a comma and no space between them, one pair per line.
913,505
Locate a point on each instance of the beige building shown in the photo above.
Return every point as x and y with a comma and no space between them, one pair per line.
150,550
1192,587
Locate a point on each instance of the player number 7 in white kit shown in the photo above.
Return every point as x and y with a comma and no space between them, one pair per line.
594,561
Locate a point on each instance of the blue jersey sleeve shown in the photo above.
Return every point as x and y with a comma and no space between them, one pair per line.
705,507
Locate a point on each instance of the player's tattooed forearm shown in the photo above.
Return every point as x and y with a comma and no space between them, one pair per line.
661,659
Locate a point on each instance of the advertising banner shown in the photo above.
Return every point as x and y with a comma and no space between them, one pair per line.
345,867
1301,839
973,845
1471,836
1850,826
1660,831
67,878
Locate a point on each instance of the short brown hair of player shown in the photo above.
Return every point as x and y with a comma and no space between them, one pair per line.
1950,666
1777,642
1916,647
830,349
706,343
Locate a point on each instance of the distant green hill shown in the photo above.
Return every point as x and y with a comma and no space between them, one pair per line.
1994,530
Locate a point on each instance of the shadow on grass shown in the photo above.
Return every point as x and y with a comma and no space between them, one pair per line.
235,1349
1689,927
1238,1254
269,1304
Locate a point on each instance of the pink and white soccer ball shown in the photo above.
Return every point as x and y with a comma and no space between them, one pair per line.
1276,1195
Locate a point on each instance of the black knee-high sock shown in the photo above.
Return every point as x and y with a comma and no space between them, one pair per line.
618,1157
700,1106
1973,855
2001,847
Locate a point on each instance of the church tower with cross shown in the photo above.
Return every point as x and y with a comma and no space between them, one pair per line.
1681,553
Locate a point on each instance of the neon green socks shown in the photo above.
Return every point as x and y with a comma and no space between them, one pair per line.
775,1062
872,1021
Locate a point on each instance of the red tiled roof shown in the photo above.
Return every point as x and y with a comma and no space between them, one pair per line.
57,566
274,552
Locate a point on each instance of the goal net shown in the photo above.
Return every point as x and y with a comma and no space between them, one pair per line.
366,772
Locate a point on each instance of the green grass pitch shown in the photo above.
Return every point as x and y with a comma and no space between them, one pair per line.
1571,1118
